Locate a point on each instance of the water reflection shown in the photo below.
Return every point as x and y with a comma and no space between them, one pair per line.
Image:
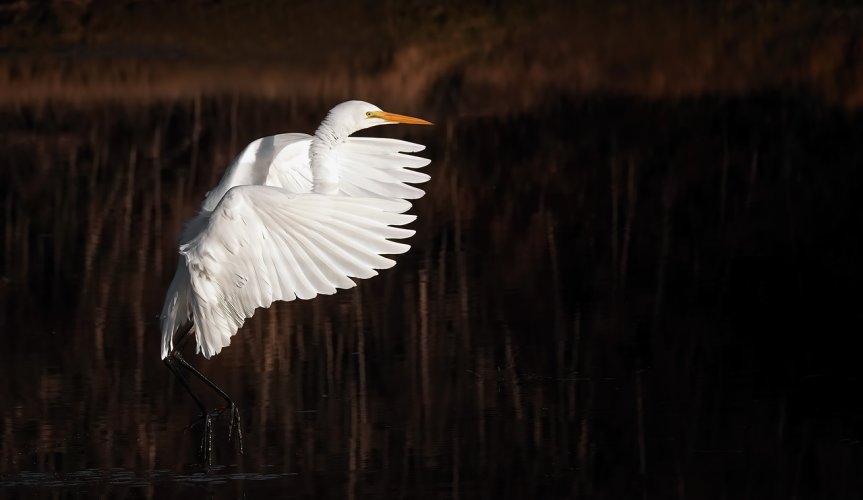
606,298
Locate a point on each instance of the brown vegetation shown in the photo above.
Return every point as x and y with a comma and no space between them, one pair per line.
592,306
503,57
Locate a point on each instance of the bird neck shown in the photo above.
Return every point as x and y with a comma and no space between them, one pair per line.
325,172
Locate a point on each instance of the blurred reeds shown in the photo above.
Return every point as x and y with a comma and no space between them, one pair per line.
606,297
498,55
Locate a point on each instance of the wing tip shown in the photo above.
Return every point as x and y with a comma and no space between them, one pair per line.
415,147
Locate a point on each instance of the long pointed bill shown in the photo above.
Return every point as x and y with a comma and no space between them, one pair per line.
392,117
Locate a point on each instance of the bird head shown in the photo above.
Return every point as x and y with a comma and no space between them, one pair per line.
359,115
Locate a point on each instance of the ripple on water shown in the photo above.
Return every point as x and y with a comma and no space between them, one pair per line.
123,477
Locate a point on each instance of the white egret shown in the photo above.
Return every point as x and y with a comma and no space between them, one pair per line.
294,216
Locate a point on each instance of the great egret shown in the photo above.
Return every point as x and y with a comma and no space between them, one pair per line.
294,216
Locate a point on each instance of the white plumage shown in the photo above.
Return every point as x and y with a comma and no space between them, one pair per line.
294,216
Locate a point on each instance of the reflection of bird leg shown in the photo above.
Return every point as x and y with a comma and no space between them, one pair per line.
235,422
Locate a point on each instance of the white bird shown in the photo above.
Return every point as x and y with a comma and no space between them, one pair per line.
294,216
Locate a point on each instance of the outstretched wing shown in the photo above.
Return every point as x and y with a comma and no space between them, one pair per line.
253,166
290,168
368,167
264,244
377,167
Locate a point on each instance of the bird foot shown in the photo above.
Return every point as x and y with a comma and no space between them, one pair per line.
174,362
206,449
209,423
235,425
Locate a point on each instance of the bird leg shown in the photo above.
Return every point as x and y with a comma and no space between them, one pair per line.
235,422
206,449
172,361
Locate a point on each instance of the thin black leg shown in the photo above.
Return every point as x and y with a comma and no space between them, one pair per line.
206,448
174,362
235,411
169,362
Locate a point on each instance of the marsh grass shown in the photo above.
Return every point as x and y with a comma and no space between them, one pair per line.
606,298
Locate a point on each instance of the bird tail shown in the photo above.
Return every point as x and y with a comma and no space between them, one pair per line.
175,311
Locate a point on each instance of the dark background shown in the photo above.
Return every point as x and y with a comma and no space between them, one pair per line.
635,273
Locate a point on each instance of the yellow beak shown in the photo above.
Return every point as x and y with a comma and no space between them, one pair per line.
392,117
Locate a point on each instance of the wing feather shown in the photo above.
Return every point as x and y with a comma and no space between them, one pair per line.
254,166
376,166
374,144
290,169
324,261
263,244
175,312
372,167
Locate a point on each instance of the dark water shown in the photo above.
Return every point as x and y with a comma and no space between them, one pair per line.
607,297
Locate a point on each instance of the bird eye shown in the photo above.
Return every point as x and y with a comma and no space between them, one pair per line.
368,114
